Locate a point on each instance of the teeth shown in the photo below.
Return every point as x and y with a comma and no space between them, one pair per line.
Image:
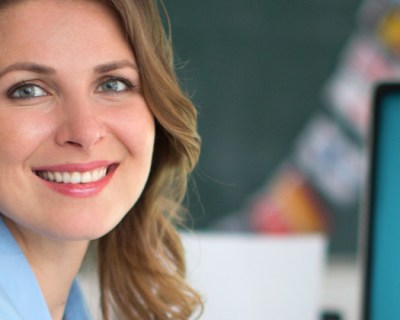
51,176
58,176
66,177
74,177
95,175
86,177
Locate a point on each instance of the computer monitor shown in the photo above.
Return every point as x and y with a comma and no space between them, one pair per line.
381,292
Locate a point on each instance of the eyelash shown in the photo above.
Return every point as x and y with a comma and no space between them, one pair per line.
10,92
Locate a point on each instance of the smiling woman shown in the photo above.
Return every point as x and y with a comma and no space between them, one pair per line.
97,141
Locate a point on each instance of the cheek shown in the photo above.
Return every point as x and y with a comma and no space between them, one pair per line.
135,128
20,134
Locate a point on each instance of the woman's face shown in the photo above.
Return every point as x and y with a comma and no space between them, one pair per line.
76,135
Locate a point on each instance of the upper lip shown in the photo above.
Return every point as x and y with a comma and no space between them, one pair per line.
75,167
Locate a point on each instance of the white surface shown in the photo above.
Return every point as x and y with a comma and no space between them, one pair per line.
341,287
257,277
340,284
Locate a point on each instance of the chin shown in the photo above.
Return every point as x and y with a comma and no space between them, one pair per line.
83,227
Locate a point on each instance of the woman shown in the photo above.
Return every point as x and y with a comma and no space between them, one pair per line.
97,141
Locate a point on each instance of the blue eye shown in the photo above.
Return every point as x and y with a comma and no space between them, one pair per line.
115,85
26,91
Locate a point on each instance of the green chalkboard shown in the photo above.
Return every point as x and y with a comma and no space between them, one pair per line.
256,71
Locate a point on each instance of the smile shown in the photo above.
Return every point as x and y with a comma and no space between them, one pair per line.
73,177
77,180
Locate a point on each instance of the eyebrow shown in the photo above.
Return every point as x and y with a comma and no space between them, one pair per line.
27,66
111,66
42,69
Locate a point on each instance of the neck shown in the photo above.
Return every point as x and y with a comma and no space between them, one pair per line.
55,270
55,264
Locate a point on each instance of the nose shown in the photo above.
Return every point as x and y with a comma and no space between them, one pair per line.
80,126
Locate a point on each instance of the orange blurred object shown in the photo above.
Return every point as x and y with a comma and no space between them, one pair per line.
289,205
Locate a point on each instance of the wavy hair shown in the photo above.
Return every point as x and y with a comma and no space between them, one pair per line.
141,262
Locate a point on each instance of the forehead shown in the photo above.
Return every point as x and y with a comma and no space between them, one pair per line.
56,10
49,28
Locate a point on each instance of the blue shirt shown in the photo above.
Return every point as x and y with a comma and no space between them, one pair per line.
20,295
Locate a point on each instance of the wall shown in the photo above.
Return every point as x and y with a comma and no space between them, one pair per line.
256,70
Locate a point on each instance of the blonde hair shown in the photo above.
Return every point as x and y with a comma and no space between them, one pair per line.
141,261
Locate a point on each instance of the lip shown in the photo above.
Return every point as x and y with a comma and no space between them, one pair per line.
79,190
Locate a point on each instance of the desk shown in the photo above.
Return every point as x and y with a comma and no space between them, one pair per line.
341,287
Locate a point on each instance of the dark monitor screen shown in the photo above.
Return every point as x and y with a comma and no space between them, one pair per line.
382,276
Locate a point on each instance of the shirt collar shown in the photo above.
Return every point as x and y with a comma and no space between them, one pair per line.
18,284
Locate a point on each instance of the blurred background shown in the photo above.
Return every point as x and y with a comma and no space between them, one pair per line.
282,90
